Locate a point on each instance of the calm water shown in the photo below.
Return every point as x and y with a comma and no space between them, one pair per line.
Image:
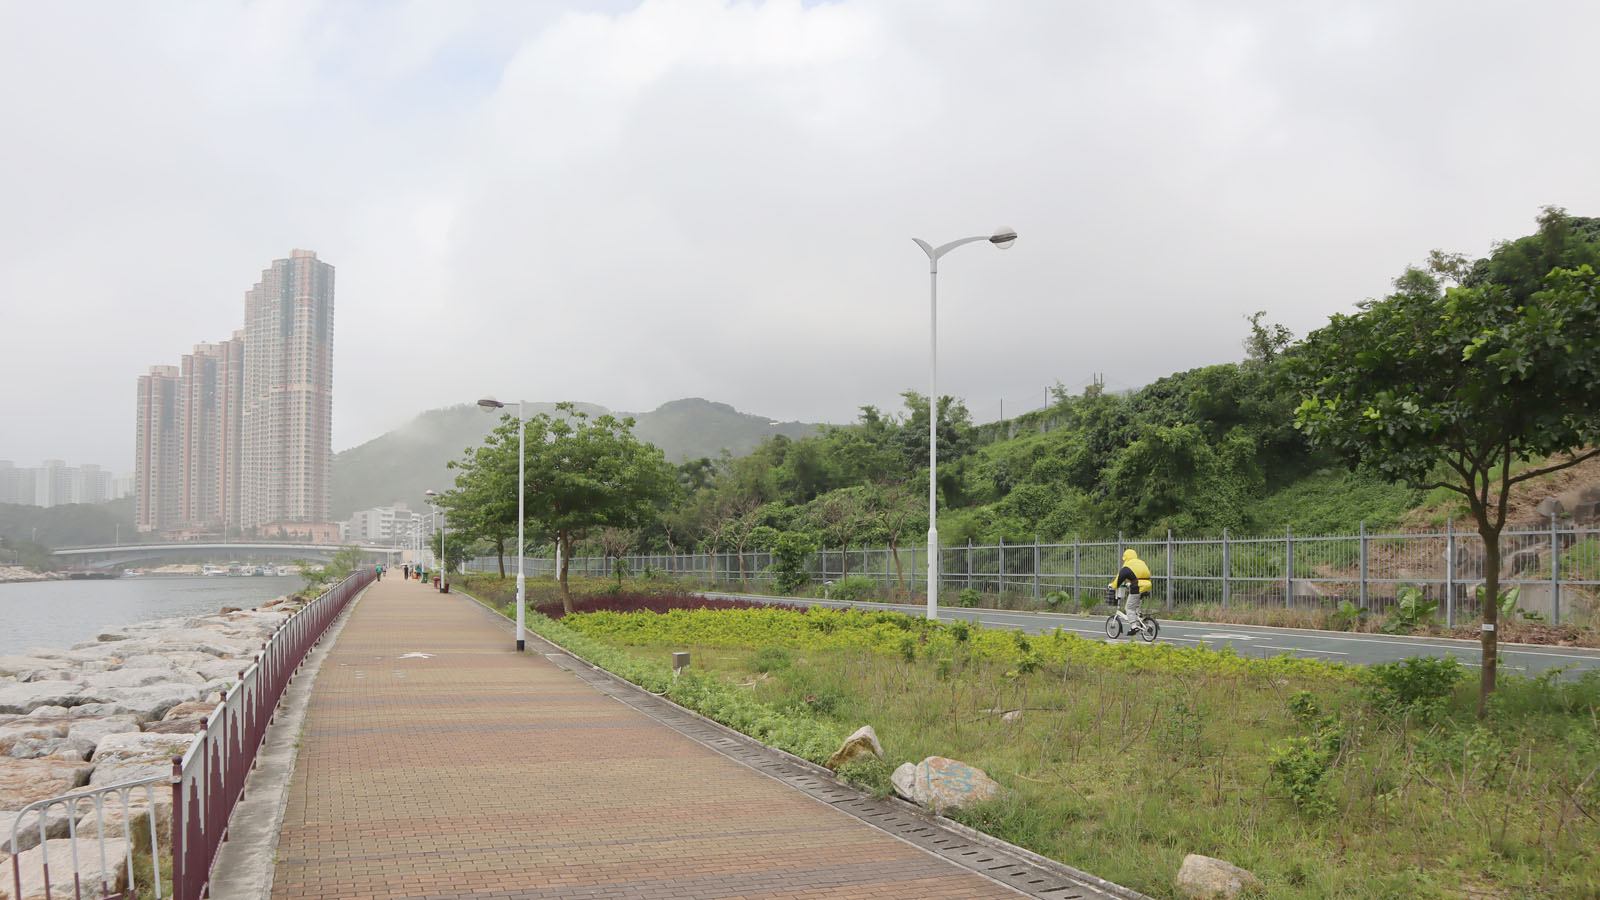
62,613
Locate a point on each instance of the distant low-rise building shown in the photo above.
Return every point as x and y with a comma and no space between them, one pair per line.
389,525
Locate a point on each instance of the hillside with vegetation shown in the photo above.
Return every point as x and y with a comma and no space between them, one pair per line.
404,463
1192,453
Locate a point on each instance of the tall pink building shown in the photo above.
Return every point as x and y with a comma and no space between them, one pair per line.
240,434
287,418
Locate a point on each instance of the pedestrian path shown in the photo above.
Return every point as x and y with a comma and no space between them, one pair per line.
436,762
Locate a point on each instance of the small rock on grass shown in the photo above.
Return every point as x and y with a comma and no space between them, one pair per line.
1206,878
863,743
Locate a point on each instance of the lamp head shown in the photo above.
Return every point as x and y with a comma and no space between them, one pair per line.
431,493
1003,237
489,403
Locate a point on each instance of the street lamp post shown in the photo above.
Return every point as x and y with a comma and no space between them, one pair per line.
487,404
1002,238
444,568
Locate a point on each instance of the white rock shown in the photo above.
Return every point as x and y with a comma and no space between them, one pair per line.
1205,878
50,711
942,784
31,865
864,742
12,663
130,757
136,678
221,669
38,748
87,734
148,703
23,731
24,698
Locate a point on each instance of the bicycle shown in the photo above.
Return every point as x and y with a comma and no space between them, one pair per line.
1145,626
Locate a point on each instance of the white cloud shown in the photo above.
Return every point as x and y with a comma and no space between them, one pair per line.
629,203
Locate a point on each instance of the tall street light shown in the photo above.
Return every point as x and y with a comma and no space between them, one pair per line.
444,569
1002,238
487,404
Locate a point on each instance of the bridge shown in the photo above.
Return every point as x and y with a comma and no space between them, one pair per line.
121,554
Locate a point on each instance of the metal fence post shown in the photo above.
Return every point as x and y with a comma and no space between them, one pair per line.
1169,568
1000,568
913,569
1076,598
1362,587
1036,565
1288,566
1555,573
969,562
1449,573
1225,567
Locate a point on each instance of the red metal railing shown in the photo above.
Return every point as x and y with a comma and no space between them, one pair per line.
208,781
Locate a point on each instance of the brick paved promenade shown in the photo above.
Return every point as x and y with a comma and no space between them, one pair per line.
478,772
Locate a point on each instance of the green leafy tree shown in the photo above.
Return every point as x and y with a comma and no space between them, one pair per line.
790,551
483,504
1454,389
843,517
587,473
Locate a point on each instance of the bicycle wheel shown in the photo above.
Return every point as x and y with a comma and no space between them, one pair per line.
1113,627
1149,628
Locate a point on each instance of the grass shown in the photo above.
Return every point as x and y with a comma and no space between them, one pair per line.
1126,758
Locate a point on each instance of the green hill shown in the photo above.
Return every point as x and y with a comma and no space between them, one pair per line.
402,464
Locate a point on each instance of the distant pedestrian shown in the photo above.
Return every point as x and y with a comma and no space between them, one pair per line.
405,571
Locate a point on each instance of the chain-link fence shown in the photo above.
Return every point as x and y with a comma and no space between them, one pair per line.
1556,570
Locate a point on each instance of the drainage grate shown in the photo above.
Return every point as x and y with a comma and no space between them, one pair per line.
1019,869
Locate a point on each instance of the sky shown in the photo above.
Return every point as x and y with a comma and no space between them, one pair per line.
628,203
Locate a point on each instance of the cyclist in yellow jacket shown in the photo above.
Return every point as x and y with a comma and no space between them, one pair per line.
1132,582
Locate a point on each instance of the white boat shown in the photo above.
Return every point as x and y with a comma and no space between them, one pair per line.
213,570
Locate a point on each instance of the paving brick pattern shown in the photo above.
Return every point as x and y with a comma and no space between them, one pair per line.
478,772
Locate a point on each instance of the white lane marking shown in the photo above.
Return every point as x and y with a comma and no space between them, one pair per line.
1226,636
1302,650
415,655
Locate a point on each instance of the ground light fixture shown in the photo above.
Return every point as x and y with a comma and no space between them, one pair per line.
489,404
1002,237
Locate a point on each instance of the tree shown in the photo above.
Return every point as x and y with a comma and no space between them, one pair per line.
484,501
842,517
585,473
896,511
1455,389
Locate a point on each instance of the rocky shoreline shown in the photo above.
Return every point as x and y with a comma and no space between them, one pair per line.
112,709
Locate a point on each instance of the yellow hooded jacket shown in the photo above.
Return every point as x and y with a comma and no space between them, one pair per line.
1132,562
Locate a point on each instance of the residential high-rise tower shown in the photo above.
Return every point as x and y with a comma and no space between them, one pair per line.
287,416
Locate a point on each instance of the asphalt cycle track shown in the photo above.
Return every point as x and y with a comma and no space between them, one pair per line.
1254,640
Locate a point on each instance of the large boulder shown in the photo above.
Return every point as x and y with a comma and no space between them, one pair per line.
28,731
221,669
23,781
86,734
863,743
16,665
58,854
135,678
941,784
38,748
25,697
149,703
131,757
1205,878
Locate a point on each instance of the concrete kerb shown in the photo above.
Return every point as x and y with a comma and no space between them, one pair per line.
909,809
247,860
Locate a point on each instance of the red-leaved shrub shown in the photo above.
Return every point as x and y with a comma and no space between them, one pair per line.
656,603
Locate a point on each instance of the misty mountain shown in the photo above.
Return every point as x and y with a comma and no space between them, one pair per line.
403,463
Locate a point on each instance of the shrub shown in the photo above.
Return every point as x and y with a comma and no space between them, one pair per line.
790,550
1057,601
769,659
1348,616
969,597
1410,682
852,588
631,602
1411,609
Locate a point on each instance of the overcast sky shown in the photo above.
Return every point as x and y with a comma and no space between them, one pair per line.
629,203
